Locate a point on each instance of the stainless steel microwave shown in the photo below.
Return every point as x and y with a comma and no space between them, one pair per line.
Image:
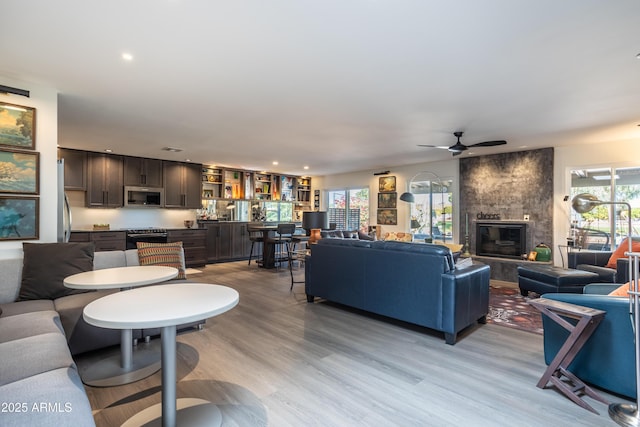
145,197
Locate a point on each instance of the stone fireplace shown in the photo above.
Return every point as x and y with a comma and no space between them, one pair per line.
507,188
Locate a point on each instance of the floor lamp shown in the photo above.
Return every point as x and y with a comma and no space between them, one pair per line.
622,413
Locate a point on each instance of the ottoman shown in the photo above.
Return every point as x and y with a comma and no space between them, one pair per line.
549,278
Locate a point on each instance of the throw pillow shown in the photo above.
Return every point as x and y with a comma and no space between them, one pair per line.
45,265
167,254
622,291
620,250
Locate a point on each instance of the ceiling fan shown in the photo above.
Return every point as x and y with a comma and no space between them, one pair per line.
458,148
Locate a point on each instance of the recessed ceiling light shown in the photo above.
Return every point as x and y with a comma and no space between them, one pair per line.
108,150
306,167
275,163
127,56
172,149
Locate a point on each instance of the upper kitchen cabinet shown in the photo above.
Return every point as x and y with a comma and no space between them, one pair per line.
75,168
139,171
182,185
104,180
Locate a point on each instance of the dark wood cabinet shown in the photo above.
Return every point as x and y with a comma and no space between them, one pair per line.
182,185
75,168
104,180
141,171
227,241
103,240
194,242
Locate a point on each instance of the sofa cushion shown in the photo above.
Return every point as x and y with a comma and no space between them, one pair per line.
620,250
167,254
20,307
59,387
45,266
28,325
33,355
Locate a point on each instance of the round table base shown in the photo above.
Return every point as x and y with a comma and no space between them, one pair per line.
108,372
191,412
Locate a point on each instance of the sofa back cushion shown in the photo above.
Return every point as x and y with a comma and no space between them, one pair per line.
45,265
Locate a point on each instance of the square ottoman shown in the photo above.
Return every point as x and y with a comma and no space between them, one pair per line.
542,279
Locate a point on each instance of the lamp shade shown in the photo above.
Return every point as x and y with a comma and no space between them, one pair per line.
407,197
584,202
314,219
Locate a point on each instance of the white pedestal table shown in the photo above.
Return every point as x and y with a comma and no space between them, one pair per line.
110,371
165,307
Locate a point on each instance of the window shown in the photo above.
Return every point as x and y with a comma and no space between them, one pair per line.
594,229
278,211
349,209
432,211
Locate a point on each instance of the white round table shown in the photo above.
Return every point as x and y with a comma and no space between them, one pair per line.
165,307
110,371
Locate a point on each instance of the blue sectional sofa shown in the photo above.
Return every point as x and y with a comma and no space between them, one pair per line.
607,359
413,282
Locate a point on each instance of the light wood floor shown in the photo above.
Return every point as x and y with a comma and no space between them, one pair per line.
276,360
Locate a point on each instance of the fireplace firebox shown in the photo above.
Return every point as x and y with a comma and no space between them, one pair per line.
501,240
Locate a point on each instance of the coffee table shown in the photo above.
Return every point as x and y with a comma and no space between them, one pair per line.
110,371
165,307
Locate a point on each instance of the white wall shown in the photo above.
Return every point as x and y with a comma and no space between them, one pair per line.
45,101
446,169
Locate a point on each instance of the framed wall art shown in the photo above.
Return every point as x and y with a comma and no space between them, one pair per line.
17,126
387,200
19,218
19,172
387,217
387,184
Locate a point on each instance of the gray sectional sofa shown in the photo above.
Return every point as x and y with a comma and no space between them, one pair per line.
39,381
413,282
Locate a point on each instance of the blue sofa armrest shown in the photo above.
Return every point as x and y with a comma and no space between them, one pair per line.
606,274
600,288
607,359
465,297
599,258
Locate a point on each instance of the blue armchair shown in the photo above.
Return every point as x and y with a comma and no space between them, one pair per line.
607,360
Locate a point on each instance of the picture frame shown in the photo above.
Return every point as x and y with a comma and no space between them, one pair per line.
17,126
387,200
19,218
532,256
386,184
387,217
19,172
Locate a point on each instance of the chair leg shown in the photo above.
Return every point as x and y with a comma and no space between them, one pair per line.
251,253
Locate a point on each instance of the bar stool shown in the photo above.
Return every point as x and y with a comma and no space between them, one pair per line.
255,236
282,240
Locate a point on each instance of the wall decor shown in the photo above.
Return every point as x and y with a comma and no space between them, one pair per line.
19,172
387,200
387,217
19,219
17,126
386,184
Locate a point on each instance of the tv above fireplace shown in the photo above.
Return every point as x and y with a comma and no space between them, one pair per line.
501,240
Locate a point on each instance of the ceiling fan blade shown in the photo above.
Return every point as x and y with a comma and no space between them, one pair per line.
442,147
488,143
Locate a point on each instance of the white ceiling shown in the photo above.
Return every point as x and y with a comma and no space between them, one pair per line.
339,85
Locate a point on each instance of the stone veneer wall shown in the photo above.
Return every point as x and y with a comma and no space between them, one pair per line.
512,185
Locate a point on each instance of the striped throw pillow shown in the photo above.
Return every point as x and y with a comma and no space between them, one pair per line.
167,254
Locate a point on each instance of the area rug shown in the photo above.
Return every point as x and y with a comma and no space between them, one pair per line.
508,308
